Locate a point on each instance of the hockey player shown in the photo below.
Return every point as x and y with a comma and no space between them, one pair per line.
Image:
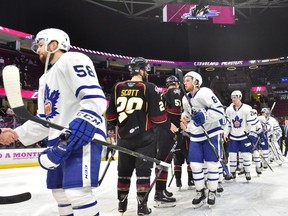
69,95
273,133
241,133
165,140
257,149
136,106
203,117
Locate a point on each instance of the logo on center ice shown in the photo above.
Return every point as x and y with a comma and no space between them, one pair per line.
50,102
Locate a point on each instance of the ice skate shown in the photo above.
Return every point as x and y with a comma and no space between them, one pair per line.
178,184
163,201
241,171
211,198
248,176
123,202
168,193
199,199
142,207
220,188
258,171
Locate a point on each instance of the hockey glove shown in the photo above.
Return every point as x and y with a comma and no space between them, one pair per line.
55,155
252,136
199,118
83,128
251,141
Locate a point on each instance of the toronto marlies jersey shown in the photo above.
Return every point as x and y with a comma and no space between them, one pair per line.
271,126
173,104
206,101
240,122
136,107
70,85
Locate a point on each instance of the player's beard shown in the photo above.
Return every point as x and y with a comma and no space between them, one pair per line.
43,57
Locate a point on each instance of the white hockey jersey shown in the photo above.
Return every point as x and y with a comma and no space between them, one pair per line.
240,122
70,85
204,100
271,126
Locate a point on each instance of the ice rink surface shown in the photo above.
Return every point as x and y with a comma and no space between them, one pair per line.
262,196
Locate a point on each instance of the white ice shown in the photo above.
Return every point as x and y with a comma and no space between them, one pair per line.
262,196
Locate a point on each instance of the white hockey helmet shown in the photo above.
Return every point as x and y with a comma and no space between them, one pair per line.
266,111
237,93
52,34
195,76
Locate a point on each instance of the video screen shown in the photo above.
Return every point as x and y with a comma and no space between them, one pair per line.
183,13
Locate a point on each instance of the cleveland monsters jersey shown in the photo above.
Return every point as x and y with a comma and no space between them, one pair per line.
173,104
136,106
204,100
70,85
240,122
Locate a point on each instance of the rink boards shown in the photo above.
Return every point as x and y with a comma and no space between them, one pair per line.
15,158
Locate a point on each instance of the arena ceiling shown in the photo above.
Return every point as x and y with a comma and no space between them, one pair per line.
151,8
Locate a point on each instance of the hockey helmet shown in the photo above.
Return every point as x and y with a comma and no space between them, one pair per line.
237,93
266,111
171,80
195,76
49,35
135,64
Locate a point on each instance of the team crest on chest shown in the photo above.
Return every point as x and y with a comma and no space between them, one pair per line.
237,122
50,101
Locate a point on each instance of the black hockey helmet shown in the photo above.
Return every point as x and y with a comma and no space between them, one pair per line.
137,63
171,80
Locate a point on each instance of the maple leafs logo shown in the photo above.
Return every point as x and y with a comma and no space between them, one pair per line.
237,122
50,101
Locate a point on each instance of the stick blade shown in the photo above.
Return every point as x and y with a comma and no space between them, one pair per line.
179,74
15,198
11,79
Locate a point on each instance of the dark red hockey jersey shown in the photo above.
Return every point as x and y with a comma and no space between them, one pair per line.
136,106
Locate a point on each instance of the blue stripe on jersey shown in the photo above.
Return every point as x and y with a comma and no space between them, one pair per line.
252,120
237,137
209,132
255,122
216,110
93,96
86,206
86,87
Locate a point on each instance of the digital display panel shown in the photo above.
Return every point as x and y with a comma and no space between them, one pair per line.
183,13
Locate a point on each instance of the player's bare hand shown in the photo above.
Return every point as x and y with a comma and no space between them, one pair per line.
8,136
226,138
173,128
183,123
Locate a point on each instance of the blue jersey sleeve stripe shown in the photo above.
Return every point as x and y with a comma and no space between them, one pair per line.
92,96
86,87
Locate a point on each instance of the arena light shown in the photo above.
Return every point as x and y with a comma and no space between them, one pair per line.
231,68
253,67
210,69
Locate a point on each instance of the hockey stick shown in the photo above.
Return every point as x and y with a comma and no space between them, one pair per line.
179,73
273,105
172,172
158,173
106,168
15,198
11,81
